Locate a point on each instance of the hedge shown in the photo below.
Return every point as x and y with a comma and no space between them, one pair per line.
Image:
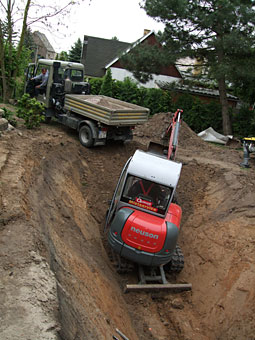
197,114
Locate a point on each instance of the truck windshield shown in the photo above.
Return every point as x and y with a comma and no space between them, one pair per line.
146,194
73,74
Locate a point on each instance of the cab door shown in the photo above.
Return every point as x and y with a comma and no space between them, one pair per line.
29,73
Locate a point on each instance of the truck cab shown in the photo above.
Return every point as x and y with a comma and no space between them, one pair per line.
63,77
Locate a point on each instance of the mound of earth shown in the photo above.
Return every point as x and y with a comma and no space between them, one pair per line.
158,124
57,281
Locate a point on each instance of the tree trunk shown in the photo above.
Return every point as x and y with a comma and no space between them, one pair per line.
226,123
21,40
2,65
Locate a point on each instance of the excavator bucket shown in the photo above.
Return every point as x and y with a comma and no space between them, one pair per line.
157,148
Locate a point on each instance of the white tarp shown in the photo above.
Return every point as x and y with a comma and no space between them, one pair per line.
209,135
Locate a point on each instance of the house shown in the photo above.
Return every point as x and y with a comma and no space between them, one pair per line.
99,55
43,48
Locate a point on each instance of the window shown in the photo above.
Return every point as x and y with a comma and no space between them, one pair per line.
39,69
146,194
76,75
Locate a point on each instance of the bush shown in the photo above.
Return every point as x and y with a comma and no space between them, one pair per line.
95,85
106,87
126,90
157,101
244,122
31,111
9,115
198,114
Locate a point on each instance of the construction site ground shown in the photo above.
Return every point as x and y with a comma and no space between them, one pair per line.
56,278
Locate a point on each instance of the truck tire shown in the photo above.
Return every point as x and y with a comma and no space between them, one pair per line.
177,262
85,136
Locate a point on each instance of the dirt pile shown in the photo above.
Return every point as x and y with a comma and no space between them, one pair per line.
56,278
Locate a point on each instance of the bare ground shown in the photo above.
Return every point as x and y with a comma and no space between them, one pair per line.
57,281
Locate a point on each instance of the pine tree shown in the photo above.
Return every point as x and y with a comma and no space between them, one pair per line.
219,32
63,55
75,52
106,87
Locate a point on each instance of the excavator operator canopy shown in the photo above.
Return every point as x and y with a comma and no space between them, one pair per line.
154,168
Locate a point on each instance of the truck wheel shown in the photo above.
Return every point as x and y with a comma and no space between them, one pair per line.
85,136
177,262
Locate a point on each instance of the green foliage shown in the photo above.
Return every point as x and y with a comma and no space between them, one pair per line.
145,60
198,114
218,32
244,122
29,43
126,90
31,111
12,63
63,55
106,87
158,100
154,99
75,52
95,85
9,115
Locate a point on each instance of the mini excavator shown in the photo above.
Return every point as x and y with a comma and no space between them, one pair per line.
143,220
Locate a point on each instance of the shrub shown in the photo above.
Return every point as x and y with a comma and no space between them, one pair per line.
95,85
244,122
198,114
106,87
31,111
9,115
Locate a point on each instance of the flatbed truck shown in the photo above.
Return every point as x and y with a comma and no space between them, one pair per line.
67,98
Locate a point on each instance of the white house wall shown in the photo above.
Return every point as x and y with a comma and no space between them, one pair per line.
121,74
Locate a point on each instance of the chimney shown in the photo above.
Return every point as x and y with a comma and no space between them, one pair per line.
146,31
84,50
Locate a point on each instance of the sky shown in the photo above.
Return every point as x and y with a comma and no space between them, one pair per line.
123,19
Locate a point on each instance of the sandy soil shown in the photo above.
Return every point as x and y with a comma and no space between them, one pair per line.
56,279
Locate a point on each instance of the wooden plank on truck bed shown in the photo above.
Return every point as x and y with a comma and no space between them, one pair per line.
159,286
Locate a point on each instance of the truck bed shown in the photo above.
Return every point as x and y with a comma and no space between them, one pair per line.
106,110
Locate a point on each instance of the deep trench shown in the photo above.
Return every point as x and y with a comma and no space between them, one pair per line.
66,200
64,205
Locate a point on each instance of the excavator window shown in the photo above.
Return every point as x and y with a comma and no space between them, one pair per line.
146,194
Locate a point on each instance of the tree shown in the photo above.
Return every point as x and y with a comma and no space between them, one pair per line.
12,43
106,87
63,55
75,52
29,43
219,32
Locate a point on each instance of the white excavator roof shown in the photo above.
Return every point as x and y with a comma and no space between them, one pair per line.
155,168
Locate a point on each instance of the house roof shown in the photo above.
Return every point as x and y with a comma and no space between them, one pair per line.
194,90
44,40
98,52
130,47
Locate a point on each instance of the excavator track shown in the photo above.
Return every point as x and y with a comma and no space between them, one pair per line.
122,265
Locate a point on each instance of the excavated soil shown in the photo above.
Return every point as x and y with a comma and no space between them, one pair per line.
56,279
